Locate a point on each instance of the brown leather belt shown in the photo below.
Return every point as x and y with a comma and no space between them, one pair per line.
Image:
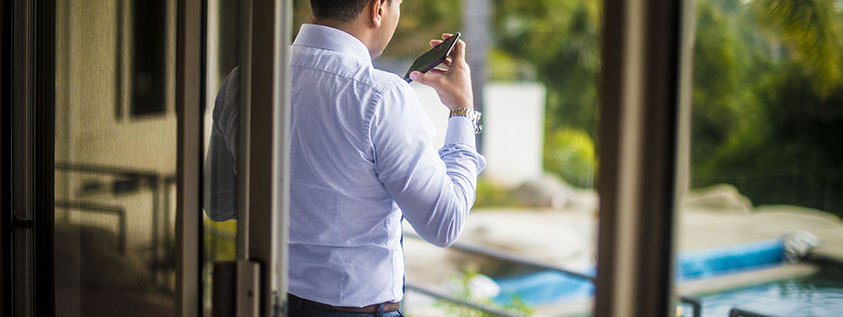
371,309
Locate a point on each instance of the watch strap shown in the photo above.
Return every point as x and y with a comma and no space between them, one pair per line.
475,116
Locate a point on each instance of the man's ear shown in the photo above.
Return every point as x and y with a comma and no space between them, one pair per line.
377,8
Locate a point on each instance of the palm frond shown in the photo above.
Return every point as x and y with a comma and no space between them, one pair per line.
810,30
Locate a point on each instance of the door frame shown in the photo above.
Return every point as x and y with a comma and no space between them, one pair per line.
263,211
264,150
189,104
29,157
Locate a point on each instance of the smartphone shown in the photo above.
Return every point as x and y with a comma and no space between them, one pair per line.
433,57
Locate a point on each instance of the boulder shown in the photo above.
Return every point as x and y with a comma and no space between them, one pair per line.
722,197
551,191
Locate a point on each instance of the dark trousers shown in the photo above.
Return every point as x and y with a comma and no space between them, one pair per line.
296,309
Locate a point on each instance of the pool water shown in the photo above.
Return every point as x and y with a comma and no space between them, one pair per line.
816,295
550,286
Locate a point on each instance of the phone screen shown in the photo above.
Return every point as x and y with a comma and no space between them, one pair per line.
433,57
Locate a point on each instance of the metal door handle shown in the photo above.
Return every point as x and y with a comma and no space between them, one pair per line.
23,222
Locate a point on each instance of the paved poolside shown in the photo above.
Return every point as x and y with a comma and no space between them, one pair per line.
566,237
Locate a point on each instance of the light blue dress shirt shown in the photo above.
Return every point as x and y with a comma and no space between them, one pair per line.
361,158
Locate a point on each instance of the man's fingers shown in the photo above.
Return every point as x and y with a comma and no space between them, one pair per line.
445,36
459,52
431,79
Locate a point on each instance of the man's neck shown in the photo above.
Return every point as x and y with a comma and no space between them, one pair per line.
354,28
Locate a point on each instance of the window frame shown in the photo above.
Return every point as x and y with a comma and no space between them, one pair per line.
189,157
644,137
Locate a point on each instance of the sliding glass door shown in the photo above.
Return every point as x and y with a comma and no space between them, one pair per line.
122,119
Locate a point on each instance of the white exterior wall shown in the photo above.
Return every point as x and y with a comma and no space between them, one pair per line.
514,125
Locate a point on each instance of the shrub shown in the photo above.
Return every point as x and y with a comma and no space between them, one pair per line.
569,153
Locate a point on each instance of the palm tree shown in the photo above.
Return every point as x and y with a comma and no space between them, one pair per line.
811,30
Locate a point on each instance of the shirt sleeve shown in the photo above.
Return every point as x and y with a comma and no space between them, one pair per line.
220,186
435,190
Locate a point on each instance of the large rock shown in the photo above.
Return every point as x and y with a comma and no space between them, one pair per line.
550,191
723,197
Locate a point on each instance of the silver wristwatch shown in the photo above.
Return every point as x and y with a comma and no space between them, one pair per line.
475,116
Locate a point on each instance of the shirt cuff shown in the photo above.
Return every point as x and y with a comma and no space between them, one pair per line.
460,131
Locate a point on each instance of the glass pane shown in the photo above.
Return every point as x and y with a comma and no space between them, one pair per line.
221,132
536,199
763,199
115,158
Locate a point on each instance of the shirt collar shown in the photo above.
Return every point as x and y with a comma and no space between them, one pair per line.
328,38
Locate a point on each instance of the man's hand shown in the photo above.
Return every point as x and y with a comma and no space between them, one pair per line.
452,84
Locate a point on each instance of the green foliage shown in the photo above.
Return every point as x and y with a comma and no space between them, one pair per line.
301,15
508,68
540,30
715,81
766,100
561,38
812,30
491,195
420,22
768,80
794,131
569,153
220,239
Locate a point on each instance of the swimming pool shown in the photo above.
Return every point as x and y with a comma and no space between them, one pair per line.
547,287
820,294
816,295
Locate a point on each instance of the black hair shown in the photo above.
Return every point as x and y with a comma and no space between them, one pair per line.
341,10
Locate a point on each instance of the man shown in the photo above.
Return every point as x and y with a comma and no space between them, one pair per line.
362,160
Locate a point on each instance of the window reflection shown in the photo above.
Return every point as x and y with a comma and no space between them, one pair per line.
115,178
